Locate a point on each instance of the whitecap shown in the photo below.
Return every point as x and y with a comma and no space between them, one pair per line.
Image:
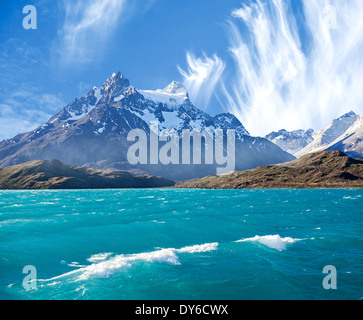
107,267
75,265
52,284
99,257
156,221
272,241
351,198
200,248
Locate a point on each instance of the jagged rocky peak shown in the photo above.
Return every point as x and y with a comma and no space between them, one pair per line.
343,133
229,121
350,114
92,130
336,128
114,85
291,141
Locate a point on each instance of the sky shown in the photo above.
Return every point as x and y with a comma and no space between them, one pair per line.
275,64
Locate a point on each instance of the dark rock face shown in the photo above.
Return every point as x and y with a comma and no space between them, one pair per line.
92,131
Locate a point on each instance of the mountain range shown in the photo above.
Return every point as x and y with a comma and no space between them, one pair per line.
291,141
92,131
343,134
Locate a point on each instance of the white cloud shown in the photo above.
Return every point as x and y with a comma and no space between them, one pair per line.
87,26
277,83
202,77
8,130
24,110
23,105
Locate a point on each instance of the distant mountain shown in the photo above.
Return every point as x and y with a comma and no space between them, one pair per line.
291,141
351,141
325,169
92,131
52,174
343,134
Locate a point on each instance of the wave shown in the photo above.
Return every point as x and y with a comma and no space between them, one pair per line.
272,241
107,267
99,257
200,248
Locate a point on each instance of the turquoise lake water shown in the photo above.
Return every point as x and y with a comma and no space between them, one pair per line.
181,244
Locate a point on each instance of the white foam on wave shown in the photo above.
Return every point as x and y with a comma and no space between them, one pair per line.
99,257
107,267
200,248
272,241
351,198
75,265
160,222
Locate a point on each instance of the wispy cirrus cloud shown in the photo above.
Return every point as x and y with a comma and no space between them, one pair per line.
201,77
295,67
279,83
87,27
23,104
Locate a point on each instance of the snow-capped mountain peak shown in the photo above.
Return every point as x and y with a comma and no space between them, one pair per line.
343,134
174,94
336,128
324,137
293,141
176,88
115,85
348,115
93,130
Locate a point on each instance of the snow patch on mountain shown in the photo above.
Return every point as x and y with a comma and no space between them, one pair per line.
326,136
351,141
92,131
291,141
174,94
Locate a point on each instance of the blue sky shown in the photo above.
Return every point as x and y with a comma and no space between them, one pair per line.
271,63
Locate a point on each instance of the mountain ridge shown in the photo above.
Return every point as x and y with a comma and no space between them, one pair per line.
324,137
92,131
291,141
343,134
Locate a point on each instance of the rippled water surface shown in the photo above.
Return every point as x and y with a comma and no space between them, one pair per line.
181,244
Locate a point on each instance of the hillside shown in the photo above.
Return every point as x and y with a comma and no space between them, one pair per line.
326,169
53,174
